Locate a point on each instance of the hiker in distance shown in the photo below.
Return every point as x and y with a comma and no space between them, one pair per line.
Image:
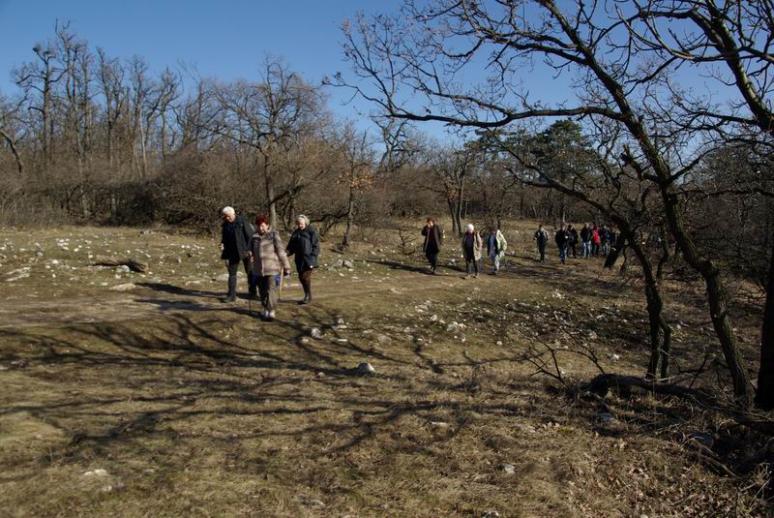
495,248
234,241
304,246
562,238
268,257
471,250
541,238
433,240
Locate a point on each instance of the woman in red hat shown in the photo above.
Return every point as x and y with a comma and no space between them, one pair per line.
269,259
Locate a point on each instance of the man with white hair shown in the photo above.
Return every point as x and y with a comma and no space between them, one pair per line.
234,247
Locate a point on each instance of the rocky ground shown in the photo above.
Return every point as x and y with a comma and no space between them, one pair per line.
396,394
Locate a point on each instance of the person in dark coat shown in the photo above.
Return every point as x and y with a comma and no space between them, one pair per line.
585,235
234,247
433,240
562,238
304,246
541,238
573,240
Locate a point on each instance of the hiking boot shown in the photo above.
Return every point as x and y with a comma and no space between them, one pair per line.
270,316
228,299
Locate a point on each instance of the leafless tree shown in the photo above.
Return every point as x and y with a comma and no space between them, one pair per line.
412,66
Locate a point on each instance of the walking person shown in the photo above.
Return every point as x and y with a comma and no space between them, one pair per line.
234,239
304,246
495,248
433,240
595,241
269,259
604,240
541,238
585,235
471,250
573,240
562,238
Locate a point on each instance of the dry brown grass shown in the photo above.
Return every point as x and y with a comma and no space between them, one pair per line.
193,407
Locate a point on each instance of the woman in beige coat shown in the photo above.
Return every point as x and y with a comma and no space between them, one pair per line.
471,250
268,257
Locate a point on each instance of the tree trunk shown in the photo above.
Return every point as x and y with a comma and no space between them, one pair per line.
350,217
764,397
716,296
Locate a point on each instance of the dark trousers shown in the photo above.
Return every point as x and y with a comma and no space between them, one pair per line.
432,257
471,264
542,250
305,276
574,250
233,266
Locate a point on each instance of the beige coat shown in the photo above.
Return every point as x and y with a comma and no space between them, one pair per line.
268,252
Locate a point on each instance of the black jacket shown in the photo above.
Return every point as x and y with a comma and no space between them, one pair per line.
437,238
562,238
304,245
238,248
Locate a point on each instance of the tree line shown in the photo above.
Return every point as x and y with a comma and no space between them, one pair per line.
685,177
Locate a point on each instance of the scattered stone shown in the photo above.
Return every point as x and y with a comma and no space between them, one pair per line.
509,469
124,287
439,424
452,327
383,339
348,264
491,514
123,269
365,369
315,333
340,321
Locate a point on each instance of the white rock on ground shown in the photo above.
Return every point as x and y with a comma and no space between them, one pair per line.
365,368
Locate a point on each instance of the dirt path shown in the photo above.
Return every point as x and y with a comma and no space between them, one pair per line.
151,300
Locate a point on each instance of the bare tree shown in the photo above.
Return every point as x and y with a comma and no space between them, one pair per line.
423,53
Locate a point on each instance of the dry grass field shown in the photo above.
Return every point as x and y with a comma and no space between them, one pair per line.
128,394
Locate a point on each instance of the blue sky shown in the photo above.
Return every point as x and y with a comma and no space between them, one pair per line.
227,39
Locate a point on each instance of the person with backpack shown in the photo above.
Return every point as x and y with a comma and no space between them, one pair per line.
304,245
433,234
234,238
268,258
562,238
541,238
495,248
471,250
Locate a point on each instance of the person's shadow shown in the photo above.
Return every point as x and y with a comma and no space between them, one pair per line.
178,290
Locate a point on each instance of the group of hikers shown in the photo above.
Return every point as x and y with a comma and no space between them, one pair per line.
266,263
593,240
265,257
472,245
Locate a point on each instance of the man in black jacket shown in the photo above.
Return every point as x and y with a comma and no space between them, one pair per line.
234,241
562,239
